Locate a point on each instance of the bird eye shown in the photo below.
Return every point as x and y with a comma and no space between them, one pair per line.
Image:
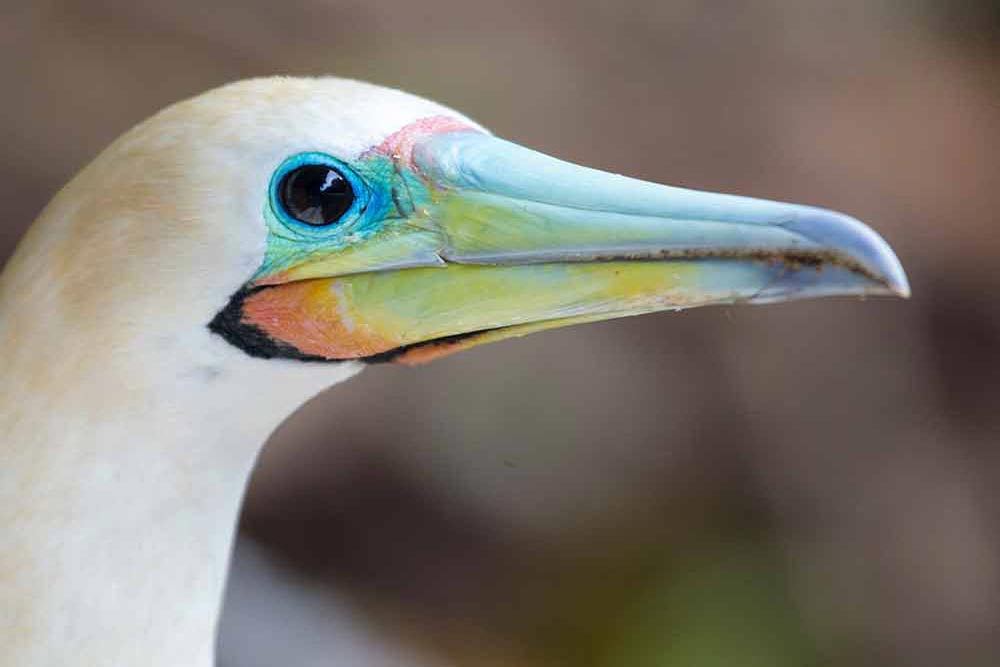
316,194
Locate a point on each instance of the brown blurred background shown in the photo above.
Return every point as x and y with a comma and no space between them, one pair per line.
802,484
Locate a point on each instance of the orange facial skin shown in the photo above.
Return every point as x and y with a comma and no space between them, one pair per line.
312,317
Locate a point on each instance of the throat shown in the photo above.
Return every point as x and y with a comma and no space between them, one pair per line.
118,506
117,542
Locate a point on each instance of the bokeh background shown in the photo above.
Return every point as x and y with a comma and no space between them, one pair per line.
802,484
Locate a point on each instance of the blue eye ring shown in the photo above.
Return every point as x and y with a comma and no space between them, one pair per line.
346,220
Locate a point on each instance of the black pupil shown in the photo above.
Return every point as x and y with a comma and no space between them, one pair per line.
316,194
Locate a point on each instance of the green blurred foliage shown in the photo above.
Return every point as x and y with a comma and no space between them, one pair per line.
725,607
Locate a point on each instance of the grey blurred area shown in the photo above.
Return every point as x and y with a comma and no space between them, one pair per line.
801,484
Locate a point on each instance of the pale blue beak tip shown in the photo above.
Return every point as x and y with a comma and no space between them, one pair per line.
856,241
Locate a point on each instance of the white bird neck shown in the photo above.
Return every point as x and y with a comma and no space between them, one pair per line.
121,478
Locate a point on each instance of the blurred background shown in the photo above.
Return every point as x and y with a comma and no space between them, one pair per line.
801,484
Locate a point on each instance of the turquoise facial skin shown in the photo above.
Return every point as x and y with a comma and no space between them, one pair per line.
385,199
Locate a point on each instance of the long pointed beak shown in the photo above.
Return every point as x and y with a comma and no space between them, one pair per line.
499,240
568,213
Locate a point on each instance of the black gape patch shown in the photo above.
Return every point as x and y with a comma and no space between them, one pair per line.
253,340
445,341
250,338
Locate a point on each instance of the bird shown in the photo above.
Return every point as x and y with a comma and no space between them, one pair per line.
240,251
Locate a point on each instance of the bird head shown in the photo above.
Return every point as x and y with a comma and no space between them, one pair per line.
329,220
